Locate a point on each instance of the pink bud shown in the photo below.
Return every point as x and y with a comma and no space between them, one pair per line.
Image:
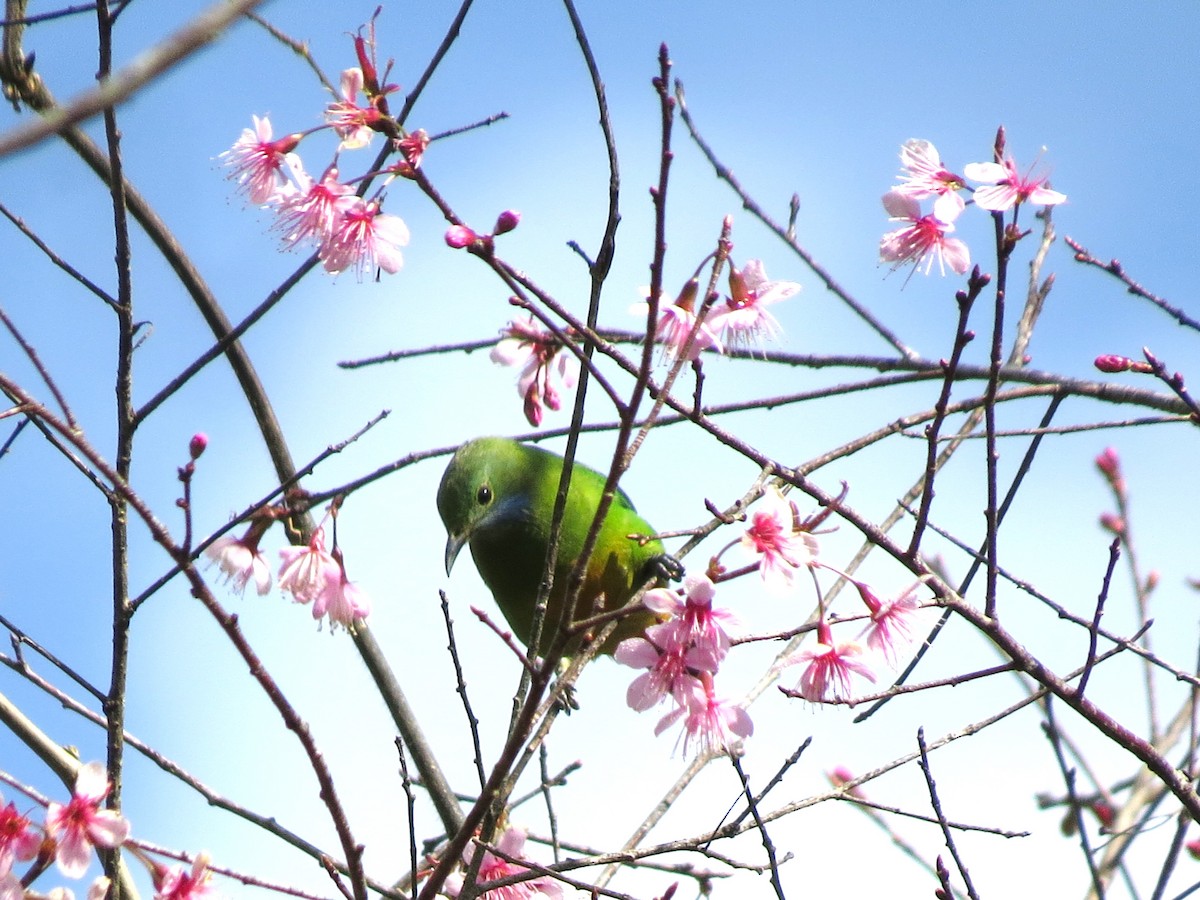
507,221
459,236
533,406
737,288
287,143
197,444
687,296
1112,363
370,76
1113,523
1109,464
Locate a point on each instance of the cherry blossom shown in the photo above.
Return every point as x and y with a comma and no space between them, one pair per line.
341,600
257,162
81,824
702,629
923,240
184,884
241,562
306,570
743,320
18,839
351,121
1009,187
10,885
677,325
493,868
828,667
312,212
546,367
664,654
365,238
713,723
783,548
412,148
891,619
925,176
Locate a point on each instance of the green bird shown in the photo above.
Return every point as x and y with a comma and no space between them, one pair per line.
498,496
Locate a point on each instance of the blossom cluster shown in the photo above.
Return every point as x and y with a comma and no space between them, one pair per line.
493,868
924,237
349,231
67,836
681,655
740,320
546,368
310,573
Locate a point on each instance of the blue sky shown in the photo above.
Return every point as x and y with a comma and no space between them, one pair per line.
814,99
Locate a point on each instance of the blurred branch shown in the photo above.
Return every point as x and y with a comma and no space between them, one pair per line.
56,119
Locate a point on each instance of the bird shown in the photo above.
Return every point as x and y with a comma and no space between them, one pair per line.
497,496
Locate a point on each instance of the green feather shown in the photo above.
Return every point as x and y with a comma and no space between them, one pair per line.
497,496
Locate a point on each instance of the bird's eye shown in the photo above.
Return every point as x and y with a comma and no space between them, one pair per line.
484,495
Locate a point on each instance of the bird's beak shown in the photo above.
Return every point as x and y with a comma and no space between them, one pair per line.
454,543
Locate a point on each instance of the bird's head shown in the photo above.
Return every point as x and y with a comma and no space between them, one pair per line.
467,497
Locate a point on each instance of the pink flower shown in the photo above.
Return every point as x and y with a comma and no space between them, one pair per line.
351,121
365,238
701,627
341,600
312,212
923,240
18,839
774,536
664,654
240,561
828,667
715,724
307,570
891,620
493,868
677,325
412,147
10,885
257,161
925,176
546,366
743,319
181,884
1010,187
81,823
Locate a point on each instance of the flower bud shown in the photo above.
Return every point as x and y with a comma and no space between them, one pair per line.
459,236
1111,363
533,406
739,294
506,221
687,297
1109,464
197,444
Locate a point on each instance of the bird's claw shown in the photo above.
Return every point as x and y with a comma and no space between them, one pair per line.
665,567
